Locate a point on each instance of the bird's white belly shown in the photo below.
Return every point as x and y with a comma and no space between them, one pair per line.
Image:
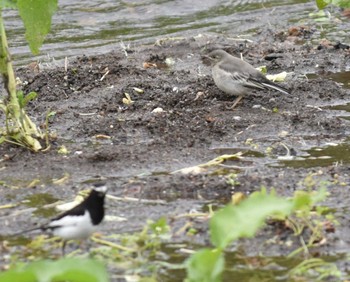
73,227
227,84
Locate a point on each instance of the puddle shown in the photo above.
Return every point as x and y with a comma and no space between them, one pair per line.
314,157
242,268
321,157
16,240
246,152
270,269
332,153
343,107
39,201
342,77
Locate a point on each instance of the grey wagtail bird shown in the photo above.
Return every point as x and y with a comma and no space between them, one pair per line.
238,78
80,221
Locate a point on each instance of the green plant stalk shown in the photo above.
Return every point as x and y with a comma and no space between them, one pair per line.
20,128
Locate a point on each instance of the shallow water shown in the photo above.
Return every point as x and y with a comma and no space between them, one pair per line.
94,27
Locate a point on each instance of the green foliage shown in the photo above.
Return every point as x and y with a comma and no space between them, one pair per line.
308,214
138,253
36,16
321,4
229,224
243,220
24,100
231,179
160,227
206,265
67,269
304,200
142,253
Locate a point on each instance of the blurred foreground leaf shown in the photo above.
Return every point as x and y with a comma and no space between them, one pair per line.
67,269
321,4
244,220
205,266
341,3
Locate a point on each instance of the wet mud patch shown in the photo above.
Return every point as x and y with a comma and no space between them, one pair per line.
179,120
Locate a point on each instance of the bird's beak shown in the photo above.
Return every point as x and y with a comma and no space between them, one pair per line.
209,58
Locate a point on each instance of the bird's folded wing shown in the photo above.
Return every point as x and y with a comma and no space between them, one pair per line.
69,220
77,210
246,80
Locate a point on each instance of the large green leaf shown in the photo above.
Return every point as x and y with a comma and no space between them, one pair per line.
36,16
68,269
243,220
205,265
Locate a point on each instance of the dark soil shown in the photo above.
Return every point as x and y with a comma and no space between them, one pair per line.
135,149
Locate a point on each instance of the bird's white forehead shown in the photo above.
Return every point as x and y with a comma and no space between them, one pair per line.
102,189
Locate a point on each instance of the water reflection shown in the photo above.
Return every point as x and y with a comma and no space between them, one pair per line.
97,26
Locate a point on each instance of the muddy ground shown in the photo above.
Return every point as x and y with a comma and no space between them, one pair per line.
135,148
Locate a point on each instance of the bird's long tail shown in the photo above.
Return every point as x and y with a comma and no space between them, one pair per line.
275,86
29,230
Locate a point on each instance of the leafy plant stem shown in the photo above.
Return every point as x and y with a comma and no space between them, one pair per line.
19,127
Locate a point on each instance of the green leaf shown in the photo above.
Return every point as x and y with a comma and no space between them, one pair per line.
262,69
36,16
68,269
321,4
205,265
160,226
243,220
306,200
342,3
51,114
24,100
29,97
8,4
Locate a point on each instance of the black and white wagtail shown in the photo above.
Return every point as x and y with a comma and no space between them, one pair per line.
80,221
236,77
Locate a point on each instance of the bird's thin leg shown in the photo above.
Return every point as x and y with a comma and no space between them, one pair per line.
88,245
85,245
64,242
239,98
